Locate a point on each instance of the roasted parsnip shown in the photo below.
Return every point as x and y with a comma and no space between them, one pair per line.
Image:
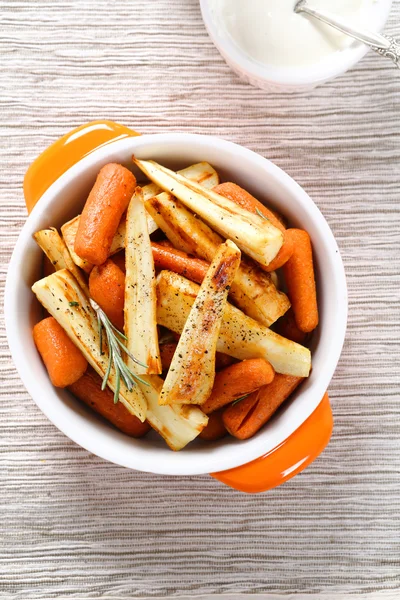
253,290
178,424
191,375
62,297
69,231
57,252
254,235
240,336
140,290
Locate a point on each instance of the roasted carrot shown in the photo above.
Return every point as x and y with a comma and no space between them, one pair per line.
167,351
64,362
169,258
245,200
245,418
287,328
107,288
215,428
88,389
300,282
236,381
239,196
107,201
107,281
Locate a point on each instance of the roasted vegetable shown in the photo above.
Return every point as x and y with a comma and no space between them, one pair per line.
69,231
240,336
57,252
252,290
191,375
178,424
202,173
88,390
254,235
62,297
140,290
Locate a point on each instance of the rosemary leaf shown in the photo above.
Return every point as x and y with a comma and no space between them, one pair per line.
110,362
115,345
260,214
239,399
117,385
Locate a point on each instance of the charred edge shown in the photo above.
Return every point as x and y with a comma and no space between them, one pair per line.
205,177
222,274
177,230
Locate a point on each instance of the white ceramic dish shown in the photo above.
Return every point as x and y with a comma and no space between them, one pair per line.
296,79
65,198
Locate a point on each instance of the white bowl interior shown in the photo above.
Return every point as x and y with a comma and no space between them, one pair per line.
65,198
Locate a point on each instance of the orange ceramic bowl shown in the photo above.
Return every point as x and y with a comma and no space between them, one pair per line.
56,186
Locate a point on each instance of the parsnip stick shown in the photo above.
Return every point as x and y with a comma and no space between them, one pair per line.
62,297
140,290
252,290
57,252
239,336
191,375
254,235
178,424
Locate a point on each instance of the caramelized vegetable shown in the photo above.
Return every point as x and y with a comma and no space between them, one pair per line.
64,362
240,336
192,371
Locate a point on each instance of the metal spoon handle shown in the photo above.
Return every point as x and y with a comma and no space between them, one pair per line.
382,44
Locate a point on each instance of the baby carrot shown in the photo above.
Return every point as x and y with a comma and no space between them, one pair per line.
64,362
215,428
245,200
169,258
284,253
286,327
245,418
237,381
107,288
167,351
241,197
88,389
300,282
107,201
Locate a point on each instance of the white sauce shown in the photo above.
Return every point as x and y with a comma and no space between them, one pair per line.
269,32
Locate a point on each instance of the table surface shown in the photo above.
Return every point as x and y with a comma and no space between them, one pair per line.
76,526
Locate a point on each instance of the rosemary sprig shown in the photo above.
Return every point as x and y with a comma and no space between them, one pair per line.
239,399
115,345
260,214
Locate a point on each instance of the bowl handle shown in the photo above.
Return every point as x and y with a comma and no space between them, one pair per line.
66,152
287,459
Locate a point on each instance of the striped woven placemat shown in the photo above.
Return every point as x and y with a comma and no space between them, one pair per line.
74,526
